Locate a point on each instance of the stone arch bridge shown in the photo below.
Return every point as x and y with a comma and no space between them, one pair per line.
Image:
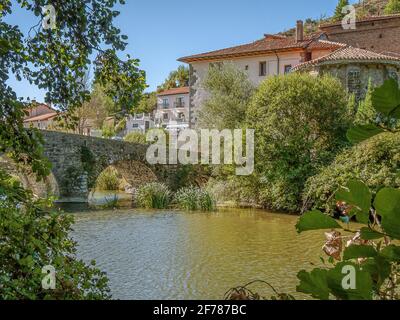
78,160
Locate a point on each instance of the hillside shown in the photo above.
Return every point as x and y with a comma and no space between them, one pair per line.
364,8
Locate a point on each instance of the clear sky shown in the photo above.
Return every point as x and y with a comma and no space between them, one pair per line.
161,31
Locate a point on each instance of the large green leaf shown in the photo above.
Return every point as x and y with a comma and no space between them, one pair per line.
361,133
386,98
316,220
387,205
369,234
391,253
356,194
363,289
379,268
314,283
359,251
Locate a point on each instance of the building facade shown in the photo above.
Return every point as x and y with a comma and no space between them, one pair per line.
141,122
277,55
172,112
40,116
379,34
356,68
272,55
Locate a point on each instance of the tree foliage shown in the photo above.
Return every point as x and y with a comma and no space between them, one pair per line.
176,79
339,15
33,236
372,253
392,7
299,123
55,60
230,92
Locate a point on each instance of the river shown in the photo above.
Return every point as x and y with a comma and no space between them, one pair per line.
177,255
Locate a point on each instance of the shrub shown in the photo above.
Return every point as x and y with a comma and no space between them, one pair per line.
153,196
34,236
236,189
135,137
376,162
193,198
300,123
108,180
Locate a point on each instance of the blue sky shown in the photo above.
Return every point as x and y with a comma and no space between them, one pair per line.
162,31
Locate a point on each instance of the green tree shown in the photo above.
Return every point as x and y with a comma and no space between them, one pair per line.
392,7
339,15
366,114
148,103
53,59
300,123
176,79
230,93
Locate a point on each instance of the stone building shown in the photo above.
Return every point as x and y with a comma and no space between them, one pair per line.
355,67
380,34
172,111
332,49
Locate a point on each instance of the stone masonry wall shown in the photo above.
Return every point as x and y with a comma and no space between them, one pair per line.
382,36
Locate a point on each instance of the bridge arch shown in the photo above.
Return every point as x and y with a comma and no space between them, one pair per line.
40,188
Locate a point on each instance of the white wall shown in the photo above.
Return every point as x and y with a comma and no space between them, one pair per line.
171,110
200,70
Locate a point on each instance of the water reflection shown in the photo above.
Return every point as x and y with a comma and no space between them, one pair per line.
169,255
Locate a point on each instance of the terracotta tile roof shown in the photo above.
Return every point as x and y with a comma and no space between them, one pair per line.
42,117
325,44
169,92
363,20
348,54
270,43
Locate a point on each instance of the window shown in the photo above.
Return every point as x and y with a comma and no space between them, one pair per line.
135,125
246,68
354,83
263,69
393,75
165,103
180,103
288,68
165,116
217,65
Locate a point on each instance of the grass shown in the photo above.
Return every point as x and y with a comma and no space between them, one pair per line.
153,196
108,180
193,198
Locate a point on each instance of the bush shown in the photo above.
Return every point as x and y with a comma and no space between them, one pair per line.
109,180
135,137
32,237
300,123
153,196
193,198
376,162
236,190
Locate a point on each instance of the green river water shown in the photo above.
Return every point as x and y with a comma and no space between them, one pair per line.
178,255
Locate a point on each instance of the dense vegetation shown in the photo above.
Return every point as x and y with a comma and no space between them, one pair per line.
376,162
55,60
300,124
193,198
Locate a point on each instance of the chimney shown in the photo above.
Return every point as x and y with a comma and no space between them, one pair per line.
299,31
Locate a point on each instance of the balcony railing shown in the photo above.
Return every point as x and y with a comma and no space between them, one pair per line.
179,104
165,105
